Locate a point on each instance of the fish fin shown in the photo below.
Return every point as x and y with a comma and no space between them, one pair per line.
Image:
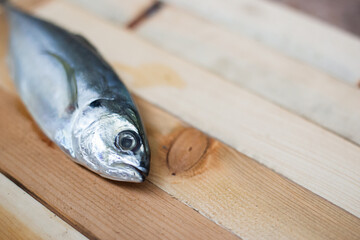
71,80
85,42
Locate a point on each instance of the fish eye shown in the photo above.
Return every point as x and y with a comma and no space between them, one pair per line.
95,104
127,141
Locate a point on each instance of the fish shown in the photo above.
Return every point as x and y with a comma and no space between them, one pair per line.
76,98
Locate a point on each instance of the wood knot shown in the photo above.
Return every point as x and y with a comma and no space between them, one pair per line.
187,150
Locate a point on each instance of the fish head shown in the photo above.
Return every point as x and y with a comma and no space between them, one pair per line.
111,142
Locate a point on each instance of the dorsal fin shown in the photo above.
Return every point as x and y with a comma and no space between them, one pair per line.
71,82
85,42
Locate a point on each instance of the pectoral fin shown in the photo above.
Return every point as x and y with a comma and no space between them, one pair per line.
71,83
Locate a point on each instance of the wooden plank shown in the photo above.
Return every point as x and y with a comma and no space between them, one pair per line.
22,217
307,154
222,184
98,208
289,83
258,207
344,14
288,31
266,72
122,11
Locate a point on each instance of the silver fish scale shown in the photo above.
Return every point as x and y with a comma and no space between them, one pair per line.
71,92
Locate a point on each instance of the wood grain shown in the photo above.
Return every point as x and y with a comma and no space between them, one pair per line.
305,153
187,151
122,11
12,228
97,207
294,34
236,191
22,217
282,80
224,185
231,189
228,187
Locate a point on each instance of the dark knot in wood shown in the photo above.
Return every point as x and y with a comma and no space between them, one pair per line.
187,150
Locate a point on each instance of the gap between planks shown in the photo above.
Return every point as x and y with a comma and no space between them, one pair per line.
79,200
253,192
22,217
222,184
121,12
143,16
99,208
289,83
299,36
280,79
306,154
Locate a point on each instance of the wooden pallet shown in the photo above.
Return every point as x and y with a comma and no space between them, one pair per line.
260,138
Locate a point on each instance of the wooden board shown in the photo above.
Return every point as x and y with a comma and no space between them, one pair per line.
307,154
227,187
282,80
236,191
96,207
121,12
22,217
299,36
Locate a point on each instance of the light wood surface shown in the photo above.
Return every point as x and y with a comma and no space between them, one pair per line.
334,51
236,191
289,83
122,11
229,188
307,154
22,217
98,208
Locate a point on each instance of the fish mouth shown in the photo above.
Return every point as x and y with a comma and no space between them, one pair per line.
144,171
125,173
